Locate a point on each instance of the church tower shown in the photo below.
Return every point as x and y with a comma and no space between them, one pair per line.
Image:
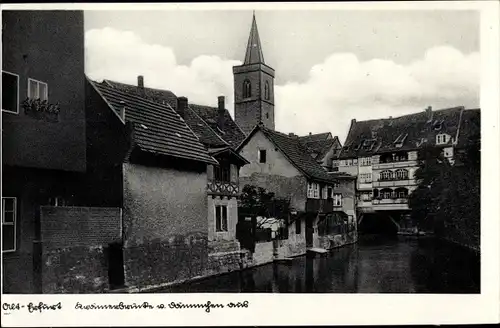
253,87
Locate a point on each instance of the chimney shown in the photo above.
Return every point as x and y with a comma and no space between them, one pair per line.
140,84
182,104
221,111
291,134
429,112
353,121
310,133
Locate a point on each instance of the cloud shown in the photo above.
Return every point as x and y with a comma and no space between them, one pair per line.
340,88
122,56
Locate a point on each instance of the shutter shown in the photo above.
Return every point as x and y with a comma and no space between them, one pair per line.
210,172
234,173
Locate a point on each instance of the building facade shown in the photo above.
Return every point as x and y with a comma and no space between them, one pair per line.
43,134
384,156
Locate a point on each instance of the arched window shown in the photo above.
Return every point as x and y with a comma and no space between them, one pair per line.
386,175
266,90
401,193
247,89
386,193
402,174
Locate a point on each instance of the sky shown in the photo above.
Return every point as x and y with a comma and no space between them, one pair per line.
331,65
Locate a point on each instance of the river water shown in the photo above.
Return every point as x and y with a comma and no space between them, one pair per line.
375,264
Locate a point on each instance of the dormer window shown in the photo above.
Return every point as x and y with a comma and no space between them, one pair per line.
442,139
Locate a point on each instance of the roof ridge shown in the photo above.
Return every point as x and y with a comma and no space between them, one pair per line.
136,97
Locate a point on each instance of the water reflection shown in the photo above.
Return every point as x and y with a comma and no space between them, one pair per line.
374,265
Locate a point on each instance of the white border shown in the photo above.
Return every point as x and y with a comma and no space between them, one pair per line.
17,102
307,309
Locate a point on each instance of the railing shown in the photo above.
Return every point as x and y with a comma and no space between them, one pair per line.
223,188
390,201
394,183
392,165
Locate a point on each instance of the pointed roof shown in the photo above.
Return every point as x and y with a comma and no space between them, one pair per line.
158,129
295,152
201,119
254,53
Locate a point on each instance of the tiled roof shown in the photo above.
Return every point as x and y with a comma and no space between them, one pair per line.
319,147
230,131
201,119
157,95
409,132
296,153
470,128
157,128
316,137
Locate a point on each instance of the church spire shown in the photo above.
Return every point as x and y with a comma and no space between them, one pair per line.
254,53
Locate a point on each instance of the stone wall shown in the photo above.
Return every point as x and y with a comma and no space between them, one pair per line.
264,253
334,241
74,242
165,225
159,262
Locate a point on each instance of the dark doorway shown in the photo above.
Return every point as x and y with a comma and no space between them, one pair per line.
115,270
309,232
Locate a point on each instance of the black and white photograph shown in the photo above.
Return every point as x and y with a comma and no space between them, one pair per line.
236,150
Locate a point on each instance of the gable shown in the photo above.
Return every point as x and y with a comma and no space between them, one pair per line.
276,162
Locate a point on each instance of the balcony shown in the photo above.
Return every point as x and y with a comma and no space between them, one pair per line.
390,204
394,183
222,188
320,205
364,185
394,165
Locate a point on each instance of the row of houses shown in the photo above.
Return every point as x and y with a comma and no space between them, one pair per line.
109,185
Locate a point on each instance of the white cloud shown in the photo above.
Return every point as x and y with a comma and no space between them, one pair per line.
337,90
122,56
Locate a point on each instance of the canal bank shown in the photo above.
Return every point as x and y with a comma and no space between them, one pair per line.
373,265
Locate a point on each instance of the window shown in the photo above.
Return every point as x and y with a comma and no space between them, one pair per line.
329,193
247,89
313,190
298,227
386,193
220,218
355,161
9,212
337,199
266,90
37,90
442,138
267,115
366,196
365,161
325,193
262,155
386,175
336,185
402,174
365,177
10,92
222,172
401,193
